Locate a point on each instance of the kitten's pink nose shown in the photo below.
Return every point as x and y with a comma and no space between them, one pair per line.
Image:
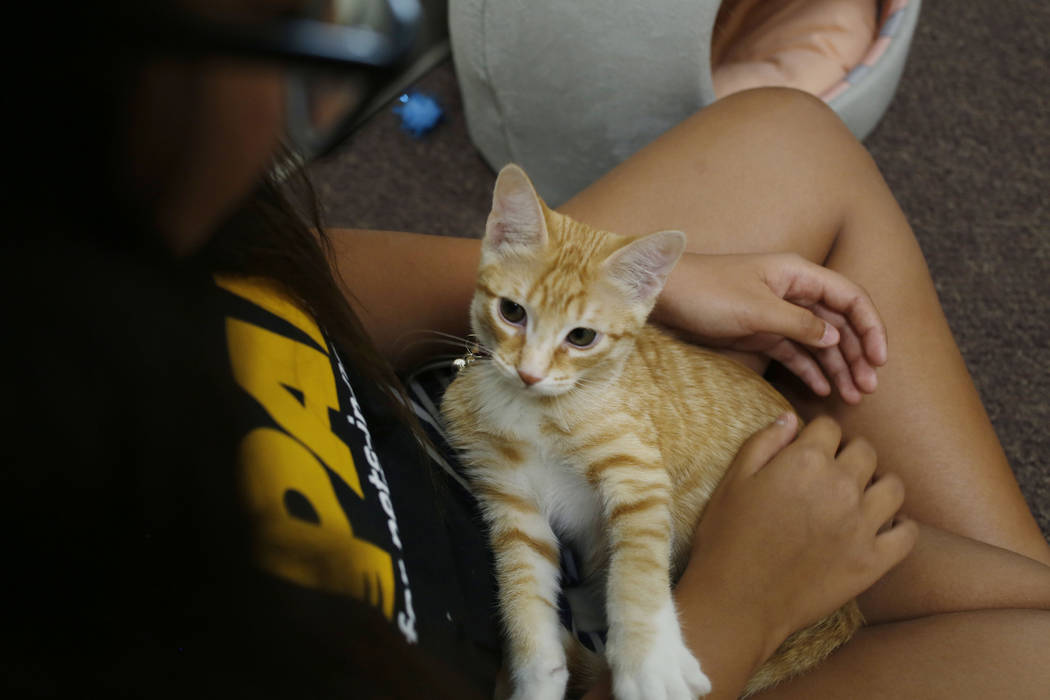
529,379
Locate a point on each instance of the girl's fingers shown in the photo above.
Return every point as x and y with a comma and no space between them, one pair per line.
801,364
832,337
793,321
858,458
838,370
895,542
882,500
852,349
761,447
813,284
822,432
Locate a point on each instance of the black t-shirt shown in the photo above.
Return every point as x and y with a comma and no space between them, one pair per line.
343,496
196,484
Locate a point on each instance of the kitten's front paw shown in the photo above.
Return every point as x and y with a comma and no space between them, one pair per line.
666,671
541,681
663,676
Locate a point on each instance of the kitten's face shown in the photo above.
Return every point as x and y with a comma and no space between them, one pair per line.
558,304
549,333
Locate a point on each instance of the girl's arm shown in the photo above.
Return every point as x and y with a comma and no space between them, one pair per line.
407,288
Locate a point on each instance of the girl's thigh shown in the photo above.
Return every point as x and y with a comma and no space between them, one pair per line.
776,171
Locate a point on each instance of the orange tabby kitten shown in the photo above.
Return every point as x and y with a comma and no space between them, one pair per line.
585,425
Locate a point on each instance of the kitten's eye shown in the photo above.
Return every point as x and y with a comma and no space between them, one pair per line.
511,312
581,337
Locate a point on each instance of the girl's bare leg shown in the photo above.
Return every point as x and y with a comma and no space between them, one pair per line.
979,654
776,171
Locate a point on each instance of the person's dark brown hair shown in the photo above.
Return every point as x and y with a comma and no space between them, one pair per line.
127,561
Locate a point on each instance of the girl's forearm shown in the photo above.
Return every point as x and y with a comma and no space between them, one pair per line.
404,285
726,639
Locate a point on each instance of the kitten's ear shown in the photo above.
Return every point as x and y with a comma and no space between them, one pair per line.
516,219
641,267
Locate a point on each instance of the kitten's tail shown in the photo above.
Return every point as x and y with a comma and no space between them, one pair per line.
806,648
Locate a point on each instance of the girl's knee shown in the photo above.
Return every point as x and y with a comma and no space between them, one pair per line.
784,110
791,128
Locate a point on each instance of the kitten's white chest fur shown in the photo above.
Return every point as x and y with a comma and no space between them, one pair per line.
568,502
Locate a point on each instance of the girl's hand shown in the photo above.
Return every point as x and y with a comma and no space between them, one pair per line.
812,320
795,530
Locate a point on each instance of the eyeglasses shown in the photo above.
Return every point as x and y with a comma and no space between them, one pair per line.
340,54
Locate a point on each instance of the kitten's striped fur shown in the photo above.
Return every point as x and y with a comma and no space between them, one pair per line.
615,447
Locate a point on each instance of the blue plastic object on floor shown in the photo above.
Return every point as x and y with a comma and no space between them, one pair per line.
419,113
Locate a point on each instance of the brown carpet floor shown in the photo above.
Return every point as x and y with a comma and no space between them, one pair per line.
965,147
